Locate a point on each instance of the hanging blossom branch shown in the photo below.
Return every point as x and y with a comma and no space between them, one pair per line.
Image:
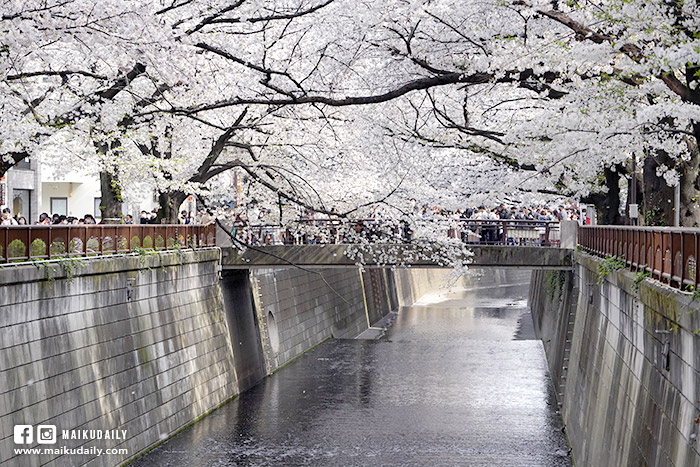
633,51
81,110
523,78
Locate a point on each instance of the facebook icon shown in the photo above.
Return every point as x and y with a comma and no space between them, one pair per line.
24,434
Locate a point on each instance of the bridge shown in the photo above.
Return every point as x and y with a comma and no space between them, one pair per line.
395,255
372,243
309,243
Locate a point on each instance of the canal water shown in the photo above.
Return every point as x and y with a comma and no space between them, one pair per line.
458,379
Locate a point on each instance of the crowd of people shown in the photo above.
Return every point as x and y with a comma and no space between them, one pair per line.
471,225
562,212
258,229
45,219
203,217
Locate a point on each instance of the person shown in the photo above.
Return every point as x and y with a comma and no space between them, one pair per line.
44,219
183,217
128,219
22,221
89,219
7,218
585,220
55,219
501,211
144,218
207,218
492,229
481,215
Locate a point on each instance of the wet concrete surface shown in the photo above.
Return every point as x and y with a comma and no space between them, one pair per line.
457,380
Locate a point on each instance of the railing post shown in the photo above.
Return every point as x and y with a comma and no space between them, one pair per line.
5,242
682,260
29,244
49,241
670,247
696,263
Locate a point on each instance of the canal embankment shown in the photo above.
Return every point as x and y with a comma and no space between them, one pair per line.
138,344
623,352
453,382
148,343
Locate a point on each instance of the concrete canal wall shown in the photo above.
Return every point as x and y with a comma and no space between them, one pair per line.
300,308
413,283
124,343
625,357
149,343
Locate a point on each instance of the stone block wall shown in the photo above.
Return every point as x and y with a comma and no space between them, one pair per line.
413,283
130,343
380,293
553,300
631,393
299,308
145,344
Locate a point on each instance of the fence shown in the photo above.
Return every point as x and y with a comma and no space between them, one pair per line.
669,254
26,243
513,232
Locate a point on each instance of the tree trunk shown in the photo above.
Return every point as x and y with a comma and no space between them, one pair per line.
170,202
658,196
690,194
7,165
690,184
111,202
608,204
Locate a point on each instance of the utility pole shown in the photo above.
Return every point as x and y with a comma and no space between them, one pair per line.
633,208
677,205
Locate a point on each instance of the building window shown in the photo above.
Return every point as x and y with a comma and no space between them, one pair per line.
21,206
59,206
96,208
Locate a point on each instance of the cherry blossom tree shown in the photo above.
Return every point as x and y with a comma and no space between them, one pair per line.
335,105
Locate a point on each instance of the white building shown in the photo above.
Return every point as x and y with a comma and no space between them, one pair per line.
20,190
74,193
31,188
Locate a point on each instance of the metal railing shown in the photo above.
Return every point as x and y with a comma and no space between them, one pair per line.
669,254
32,242
36,242
514,232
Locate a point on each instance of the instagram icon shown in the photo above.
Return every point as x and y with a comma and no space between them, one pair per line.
46,434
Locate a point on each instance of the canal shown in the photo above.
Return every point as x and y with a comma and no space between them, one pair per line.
458,379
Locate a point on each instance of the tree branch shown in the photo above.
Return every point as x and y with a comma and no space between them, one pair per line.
63,74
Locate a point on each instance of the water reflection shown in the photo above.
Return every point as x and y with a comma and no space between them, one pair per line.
447,385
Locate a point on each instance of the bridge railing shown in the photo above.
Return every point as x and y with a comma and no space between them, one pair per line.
512,232
32,242
668,254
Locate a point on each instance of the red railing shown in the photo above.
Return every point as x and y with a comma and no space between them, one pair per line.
669,254
30,242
